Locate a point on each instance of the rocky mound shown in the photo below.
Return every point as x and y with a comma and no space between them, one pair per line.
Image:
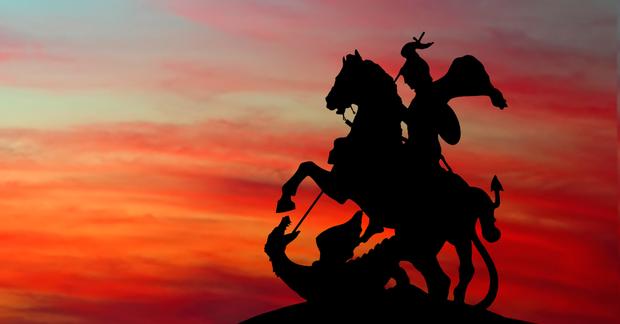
399,305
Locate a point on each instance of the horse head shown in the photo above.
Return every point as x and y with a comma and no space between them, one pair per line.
343,92
357,83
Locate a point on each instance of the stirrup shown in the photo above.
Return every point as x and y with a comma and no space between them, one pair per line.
285,204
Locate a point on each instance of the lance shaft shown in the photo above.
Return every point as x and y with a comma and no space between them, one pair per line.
308,211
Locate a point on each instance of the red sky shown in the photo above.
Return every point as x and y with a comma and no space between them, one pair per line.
143,144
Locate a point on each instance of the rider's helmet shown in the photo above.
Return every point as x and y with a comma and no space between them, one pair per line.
415,71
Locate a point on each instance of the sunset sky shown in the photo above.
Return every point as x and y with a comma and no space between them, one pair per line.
143,144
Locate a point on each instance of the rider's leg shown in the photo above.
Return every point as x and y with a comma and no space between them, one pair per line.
436,279
466,269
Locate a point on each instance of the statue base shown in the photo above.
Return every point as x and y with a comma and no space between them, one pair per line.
401,304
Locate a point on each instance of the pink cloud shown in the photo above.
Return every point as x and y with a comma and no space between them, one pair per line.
199,81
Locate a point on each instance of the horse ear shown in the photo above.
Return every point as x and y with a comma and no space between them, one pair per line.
343,59
358,54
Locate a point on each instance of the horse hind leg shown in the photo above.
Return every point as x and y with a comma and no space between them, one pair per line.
466,269
437,281
400,276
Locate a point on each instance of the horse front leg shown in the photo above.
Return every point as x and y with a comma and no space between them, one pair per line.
323,178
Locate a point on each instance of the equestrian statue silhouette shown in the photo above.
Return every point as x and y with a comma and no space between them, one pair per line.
402,186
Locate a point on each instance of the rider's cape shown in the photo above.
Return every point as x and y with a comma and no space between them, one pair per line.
465,77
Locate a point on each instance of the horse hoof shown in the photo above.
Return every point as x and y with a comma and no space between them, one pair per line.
459,296
285,204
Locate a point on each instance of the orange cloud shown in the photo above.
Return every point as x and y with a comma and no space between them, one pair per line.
155,222
133,212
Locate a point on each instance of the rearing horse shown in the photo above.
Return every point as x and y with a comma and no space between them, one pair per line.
369,162
365,161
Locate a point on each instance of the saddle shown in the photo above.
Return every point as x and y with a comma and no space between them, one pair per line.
340,151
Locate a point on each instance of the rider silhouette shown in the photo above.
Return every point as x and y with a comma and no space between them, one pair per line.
429,115
421,117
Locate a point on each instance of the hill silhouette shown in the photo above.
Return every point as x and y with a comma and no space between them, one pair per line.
400,304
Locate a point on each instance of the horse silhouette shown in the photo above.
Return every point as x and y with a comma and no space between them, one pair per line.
371,168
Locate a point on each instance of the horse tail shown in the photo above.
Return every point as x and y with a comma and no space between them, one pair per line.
493,277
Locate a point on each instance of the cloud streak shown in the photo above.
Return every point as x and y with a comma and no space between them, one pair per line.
140,195
161,217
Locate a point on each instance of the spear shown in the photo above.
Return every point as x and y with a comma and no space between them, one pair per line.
308,211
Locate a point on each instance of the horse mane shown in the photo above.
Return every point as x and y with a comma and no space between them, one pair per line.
384,82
